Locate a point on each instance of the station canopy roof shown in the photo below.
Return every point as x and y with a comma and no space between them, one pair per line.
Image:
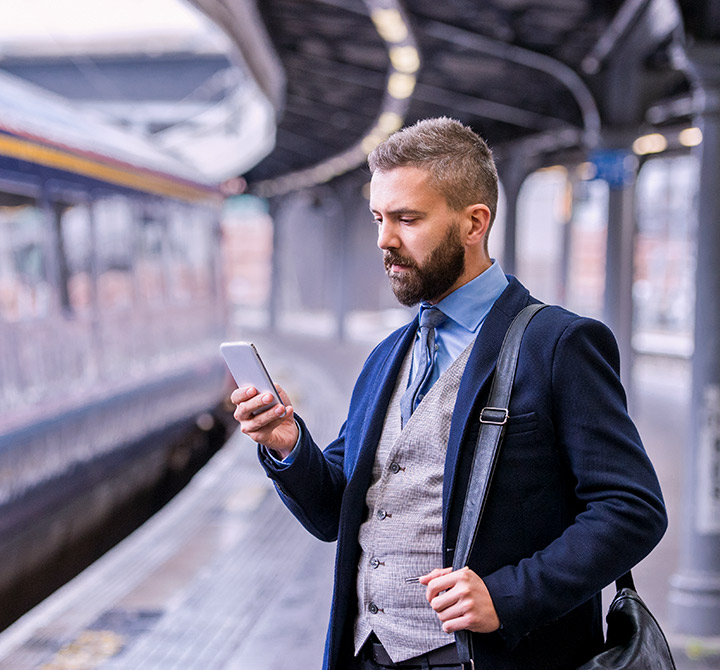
538,76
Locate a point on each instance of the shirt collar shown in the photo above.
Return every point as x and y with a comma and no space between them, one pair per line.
470,304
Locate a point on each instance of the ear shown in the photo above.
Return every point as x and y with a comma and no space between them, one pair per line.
478,216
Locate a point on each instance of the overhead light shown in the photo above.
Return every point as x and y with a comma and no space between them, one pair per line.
587,171
396,32
389,24
690,137
369,142
405,59
400,86
649,144
389,122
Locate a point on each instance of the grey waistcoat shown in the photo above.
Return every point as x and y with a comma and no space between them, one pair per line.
402,535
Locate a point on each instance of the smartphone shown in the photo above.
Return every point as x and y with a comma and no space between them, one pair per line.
248,369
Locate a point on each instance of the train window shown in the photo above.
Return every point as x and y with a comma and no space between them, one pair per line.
77,244
115,246
151,260
191,235
25,286
247,253
205,234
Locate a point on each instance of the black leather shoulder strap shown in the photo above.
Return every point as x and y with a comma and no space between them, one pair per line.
493,419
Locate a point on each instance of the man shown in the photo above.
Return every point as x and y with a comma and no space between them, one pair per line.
574,502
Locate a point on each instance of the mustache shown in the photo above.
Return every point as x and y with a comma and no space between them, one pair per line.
391,258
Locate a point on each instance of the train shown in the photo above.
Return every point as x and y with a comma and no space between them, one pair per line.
111,312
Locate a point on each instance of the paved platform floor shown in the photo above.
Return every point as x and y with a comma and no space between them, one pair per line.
224,579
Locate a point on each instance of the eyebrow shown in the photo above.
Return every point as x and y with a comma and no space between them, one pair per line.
400,211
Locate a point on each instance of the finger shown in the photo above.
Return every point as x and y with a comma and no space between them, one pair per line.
455,611
442,583
457,623
281,411
437,572
249,409
450,597
266,421
242,394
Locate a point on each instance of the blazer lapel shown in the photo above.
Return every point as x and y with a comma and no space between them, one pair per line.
477,375
379,393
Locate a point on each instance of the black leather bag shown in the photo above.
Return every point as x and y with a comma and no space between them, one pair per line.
634,638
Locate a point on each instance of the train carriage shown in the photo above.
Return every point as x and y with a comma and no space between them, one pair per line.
111,310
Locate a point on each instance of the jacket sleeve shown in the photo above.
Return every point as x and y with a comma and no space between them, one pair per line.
620,514
312,485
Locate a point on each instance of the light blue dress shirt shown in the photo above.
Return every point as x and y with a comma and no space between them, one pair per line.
466,308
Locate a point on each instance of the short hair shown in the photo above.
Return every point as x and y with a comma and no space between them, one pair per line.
459,161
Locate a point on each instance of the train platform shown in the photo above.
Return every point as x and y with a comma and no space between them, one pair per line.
223,578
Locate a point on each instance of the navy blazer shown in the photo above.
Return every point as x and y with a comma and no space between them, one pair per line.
574,503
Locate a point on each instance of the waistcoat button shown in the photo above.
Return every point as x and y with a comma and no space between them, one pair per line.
374,609
394,467
381,514
375,562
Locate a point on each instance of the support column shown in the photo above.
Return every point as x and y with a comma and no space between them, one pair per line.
618,307
695,589
509,261
51,253
335,198
512,172
274,299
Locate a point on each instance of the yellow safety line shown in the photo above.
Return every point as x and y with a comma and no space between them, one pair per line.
87,652
42,155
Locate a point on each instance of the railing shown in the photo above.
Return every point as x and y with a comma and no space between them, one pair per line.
72,392
48,362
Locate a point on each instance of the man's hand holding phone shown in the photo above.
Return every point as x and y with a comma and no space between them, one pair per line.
263,409
275,427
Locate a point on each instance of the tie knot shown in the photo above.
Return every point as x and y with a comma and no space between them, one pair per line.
432,317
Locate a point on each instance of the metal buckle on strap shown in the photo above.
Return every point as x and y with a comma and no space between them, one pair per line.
500,419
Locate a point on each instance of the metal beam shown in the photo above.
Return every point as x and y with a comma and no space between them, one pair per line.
489,109
343,72
527,58
616,31
241,20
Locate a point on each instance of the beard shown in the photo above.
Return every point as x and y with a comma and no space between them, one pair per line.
431,278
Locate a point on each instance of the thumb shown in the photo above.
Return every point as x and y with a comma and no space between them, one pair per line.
283,395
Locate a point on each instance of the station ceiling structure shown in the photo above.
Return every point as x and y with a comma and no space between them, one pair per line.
537,76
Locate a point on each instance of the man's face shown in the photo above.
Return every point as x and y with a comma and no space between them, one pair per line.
419,234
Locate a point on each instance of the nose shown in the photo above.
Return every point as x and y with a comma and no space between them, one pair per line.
387,239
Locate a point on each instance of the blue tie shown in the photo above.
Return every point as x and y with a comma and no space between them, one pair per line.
429,319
